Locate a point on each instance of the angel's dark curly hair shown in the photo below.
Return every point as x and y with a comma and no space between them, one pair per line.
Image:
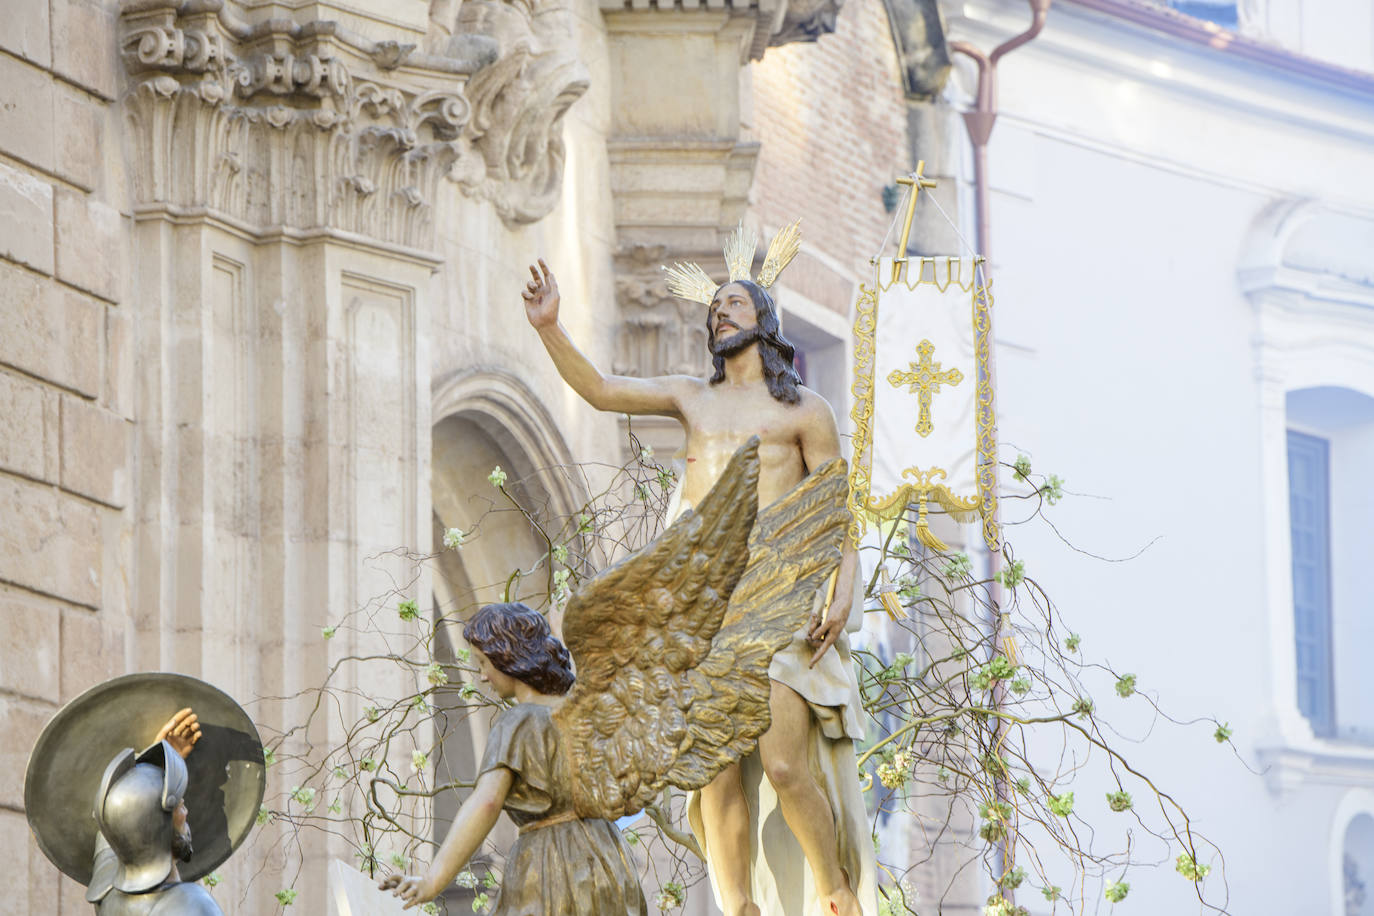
520,644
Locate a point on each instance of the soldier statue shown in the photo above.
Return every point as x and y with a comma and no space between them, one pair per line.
125,832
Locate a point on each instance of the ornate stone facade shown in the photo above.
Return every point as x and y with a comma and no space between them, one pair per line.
262,251
310,125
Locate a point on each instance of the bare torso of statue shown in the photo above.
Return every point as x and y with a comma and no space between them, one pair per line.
720,418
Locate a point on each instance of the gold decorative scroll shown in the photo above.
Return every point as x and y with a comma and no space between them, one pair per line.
924,377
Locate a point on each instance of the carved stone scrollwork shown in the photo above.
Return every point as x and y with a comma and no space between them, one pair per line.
159,48
658,334
285,74
311,126
518,104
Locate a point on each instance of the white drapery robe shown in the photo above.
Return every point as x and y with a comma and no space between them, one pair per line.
780,876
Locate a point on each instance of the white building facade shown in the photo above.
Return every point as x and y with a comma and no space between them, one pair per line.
1182,235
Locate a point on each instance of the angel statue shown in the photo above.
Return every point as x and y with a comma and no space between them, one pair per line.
672,647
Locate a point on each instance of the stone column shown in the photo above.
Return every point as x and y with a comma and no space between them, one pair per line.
681,166
284,176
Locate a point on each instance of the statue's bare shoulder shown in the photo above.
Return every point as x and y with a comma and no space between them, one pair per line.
818,434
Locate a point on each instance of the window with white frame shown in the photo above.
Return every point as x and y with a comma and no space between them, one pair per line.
1330,451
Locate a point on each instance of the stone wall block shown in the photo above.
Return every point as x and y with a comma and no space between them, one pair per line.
50,330
28,660
51,542
71,898
21,721
27,32
78,320
26,111
26,202
28,883
28,427
91,244
92,651
95,446
83,49
78,135
117,383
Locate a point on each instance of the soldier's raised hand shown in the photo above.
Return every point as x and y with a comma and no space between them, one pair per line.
541,296
182,731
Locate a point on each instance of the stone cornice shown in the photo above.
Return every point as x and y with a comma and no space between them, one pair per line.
309,125
775,22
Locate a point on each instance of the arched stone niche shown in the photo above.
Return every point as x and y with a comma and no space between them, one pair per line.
487,419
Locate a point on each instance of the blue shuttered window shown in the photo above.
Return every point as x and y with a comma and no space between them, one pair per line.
1309,520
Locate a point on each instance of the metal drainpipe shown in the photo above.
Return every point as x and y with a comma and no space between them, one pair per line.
979,123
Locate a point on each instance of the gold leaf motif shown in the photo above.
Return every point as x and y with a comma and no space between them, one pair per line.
784,247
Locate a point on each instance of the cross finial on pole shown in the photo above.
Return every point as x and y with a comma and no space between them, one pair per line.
917,180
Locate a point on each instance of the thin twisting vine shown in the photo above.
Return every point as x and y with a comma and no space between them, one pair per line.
365,766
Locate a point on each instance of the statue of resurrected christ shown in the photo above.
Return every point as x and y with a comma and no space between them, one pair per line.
807,754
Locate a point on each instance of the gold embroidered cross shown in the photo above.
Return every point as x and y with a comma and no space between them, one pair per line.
924,381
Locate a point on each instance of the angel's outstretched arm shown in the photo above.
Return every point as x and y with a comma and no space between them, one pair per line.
474,821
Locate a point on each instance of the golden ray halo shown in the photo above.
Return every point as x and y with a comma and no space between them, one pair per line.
691,282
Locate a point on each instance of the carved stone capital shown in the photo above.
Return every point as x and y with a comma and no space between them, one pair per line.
307,126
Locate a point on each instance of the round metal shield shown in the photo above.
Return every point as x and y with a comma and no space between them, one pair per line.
227,775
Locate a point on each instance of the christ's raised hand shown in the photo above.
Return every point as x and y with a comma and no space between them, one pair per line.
541,296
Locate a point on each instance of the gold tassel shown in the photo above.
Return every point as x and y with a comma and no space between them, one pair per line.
923,532
891,605
1009,649
887,596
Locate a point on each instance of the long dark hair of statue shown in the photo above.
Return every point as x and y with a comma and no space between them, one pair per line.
778,372
518,642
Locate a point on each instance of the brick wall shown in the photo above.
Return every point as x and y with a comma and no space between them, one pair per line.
65,394
832,121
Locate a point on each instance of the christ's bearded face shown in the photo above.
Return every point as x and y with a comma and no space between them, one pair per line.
732,320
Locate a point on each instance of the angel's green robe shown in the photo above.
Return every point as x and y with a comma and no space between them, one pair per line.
560,865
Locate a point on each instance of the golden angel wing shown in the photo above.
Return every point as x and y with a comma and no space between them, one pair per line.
634,628
794,548
658,707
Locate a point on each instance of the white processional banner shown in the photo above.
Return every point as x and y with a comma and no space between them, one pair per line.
923,412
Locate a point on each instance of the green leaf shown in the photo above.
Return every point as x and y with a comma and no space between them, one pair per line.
958,567
1011,576
1119,801
1189,869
